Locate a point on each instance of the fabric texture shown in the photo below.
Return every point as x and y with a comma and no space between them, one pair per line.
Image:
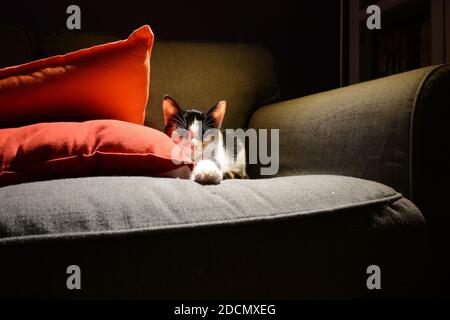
99,147
392,130
110,81
290,237
124,203
388,130
242,74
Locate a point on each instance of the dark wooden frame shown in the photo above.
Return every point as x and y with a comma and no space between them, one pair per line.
352,16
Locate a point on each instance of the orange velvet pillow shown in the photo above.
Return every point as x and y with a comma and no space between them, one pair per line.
99,147
109,81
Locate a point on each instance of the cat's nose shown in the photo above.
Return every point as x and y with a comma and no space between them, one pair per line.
196,145
196,149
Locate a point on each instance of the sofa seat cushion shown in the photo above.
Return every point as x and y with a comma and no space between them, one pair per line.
137,237
100,206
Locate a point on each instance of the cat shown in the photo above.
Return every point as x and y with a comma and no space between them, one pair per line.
201,131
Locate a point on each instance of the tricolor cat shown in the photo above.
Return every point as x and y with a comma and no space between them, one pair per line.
201,131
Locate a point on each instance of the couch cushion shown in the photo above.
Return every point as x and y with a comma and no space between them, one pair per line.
196,74
95,206
83,85
282,238
53,150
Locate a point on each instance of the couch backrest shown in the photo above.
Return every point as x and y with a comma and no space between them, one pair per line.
196,74
201,74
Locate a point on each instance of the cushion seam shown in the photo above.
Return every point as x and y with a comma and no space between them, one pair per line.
183,226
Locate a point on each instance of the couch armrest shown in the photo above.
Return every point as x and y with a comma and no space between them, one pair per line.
391,130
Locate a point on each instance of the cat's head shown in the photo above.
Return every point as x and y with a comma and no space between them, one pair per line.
195,123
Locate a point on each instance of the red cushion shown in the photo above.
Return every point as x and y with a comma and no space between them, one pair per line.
109,81
100,147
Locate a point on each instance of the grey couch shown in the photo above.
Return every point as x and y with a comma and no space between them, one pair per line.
352,160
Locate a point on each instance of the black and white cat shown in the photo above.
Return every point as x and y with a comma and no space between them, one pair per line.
202,132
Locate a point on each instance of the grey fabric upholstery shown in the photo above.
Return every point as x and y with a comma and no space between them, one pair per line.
201,74
53,208
158,237
389,130
392,130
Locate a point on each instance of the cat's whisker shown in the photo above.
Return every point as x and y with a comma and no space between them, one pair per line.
207,122
177,119
183,120
178,122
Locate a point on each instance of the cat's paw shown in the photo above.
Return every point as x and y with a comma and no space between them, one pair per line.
207,172
235,174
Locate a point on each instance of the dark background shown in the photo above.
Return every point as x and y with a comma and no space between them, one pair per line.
303,36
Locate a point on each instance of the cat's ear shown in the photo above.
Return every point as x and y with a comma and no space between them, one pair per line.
217,113
170,108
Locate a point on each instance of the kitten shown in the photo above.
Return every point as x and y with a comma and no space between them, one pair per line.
201,131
